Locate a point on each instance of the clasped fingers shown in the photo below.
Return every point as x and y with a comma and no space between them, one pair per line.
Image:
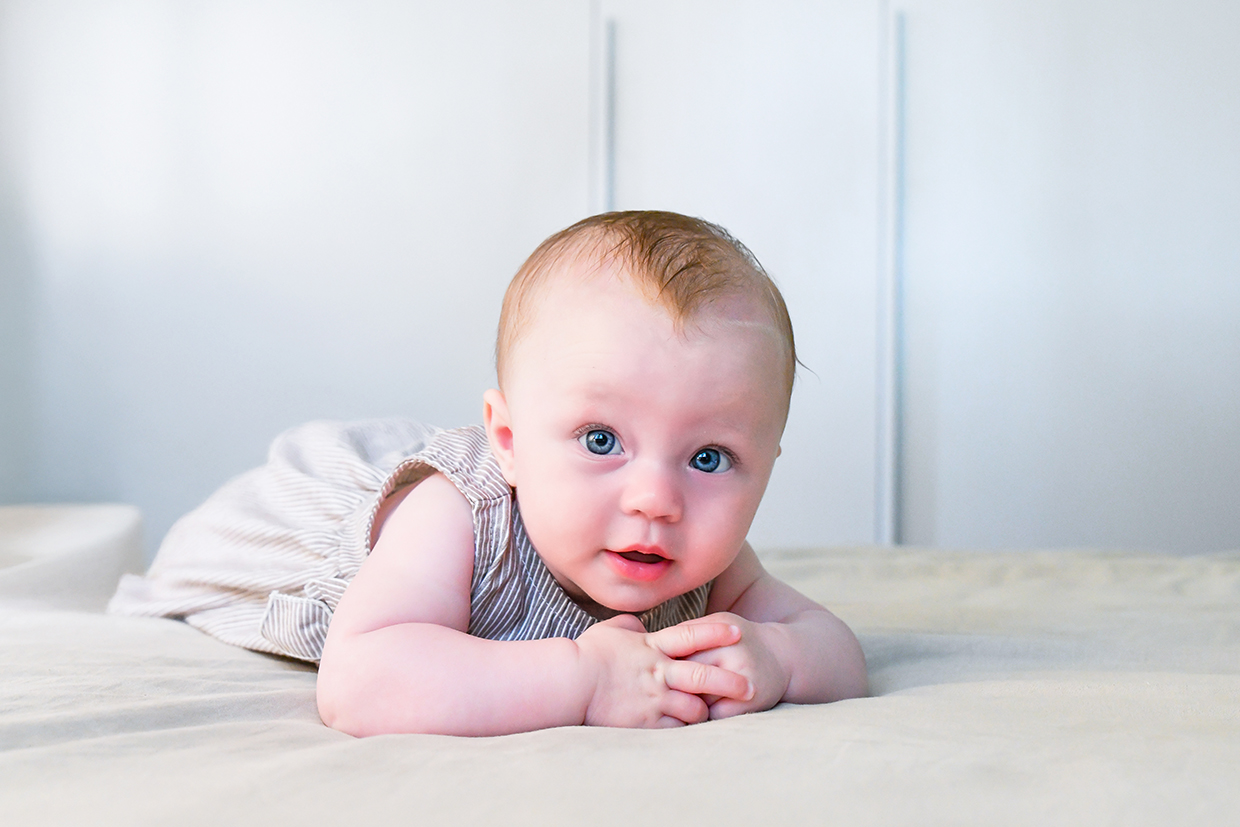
703,679
685,639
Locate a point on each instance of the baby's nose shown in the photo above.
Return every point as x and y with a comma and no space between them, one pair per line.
653,491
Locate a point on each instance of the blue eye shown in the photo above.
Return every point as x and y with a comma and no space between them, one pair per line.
710,460
599,441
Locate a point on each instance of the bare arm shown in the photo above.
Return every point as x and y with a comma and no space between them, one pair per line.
791,648
398,659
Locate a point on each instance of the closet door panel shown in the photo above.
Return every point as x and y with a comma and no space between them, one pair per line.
1072,273
763,118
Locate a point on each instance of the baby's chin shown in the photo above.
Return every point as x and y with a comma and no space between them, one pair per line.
598,611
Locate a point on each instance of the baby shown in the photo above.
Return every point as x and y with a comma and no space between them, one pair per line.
581,558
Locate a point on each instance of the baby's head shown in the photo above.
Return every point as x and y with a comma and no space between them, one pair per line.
683,265
645,363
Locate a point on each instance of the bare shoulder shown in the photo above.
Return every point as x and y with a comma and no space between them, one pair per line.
421,564
736,579
746,588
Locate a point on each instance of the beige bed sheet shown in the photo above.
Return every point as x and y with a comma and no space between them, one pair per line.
1049,687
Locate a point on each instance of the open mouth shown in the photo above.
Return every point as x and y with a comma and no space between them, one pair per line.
644,564
641,557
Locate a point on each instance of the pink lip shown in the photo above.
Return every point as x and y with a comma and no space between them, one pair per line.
634,568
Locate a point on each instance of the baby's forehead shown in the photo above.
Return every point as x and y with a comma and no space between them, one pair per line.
585,303
587,278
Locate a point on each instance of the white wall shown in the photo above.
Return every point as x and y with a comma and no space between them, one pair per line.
16,346
1072,273
221,219
231,217
763,117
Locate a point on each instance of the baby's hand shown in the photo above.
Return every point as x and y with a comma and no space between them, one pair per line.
754,656
639,679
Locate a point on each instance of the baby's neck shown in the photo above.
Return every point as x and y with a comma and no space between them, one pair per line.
595,610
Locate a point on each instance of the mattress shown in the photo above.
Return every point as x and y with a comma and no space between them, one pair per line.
1078,686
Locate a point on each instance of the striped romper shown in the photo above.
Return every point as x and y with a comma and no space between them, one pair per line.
264,561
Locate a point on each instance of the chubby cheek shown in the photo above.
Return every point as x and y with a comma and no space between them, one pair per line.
718,532
559,511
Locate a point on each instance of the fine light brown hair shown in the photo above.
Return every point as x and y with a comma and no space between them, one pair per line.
681,264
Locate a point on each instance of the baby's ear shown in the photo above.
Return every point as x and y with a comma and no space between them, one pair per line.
499,433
